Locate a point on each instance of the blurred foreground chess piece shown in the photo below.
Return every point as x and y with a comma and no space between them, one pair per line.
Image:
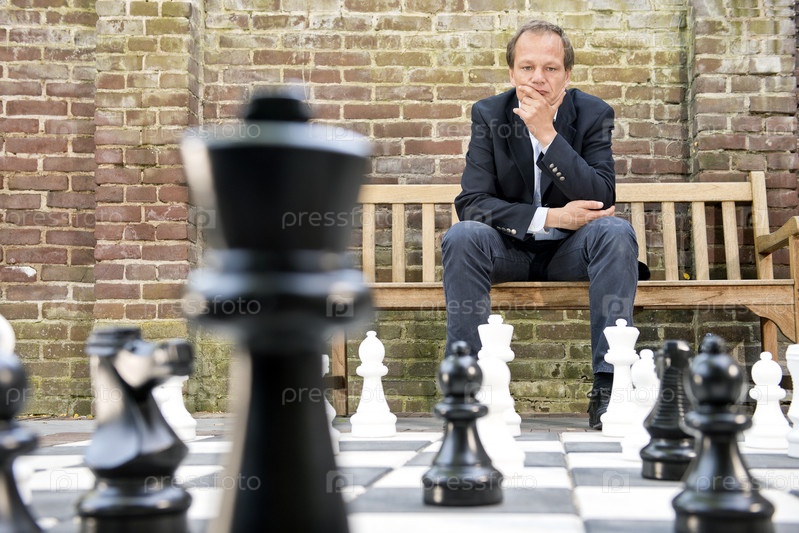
283,193
670,449
462,473
134,452
14,439
720,495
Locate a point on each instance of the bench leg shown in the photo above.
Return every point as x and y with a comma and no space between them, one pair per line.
768,337
338,367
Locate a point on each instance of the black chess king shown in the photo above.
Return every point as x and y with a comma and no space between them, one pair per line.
283,192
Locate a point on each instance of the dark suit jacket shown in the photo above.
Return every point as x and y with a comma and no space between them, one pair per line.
499,175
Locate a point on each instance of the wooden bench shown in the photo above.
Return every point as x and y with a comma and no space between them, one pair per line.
673,221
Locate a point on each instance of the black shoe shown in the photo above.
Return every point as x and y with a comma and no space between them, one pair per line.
597,405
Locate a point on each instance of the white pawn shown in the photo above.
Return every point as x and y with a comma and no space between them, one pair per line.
330,411
373,417
169,397
495,338
645,381
494,432
792,356
621,354
769,426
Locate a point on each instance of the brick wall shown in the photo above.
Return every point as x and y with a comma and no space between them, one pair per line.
96,223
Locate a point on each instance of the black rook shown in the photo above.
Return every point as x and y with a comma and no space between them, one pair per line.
671,449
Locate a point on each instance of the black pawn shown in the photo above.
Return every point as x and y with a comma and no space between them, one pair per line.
462,473
14,441
719,495
670,450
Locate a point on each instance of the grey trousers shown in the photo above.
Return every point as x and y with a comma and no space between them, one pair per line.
603,252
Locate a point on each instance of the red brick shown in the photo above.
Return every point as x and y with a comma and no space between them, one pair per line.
18,164
108,156
48,182
19,311
36,292
70,237
72,200
162,291
17,274
141,272
36,218
413,147
110,311
28,88
20,236
69,164
139,232
36,107
166,231
116,214
173,194
77,274
36,145
19,125
109,232
141,311
165,252
162,213
173,271
372,111
163,175
117,291
104,251
109,271
117,175
81,256
109,194
38,254
146,194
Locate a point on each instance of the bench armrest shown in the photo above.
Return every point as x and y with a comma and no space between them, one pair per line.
768,244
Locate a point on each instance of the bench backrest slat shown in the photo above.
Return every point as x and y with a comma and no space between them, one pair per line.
699,236
669,225
398,242
640,197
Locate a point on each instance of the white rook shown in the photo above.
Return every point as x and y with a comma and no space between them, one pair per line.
373,418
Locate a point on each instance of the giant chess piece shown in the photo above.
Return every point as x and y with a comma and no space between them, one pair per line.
280,279
134,452
14,439
330,411
495,338
769,426
645,393
670,449
169,397
719,496
372,418
462,473
621,354
792,357
495,433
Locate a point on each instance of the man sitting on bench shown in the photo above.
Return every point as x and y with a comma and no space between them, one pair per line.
538,200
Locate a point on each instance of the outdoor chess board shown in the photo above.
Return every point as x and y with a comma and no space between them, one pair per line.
573,481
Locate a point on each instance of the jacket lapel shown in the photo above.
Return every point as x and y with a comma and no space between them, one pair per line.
566,116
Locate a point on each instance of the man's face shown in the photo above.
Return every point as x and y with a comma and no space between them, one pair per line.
538,63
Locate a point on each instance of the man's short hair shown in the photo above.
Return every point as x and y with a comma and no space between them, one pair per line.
541,26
